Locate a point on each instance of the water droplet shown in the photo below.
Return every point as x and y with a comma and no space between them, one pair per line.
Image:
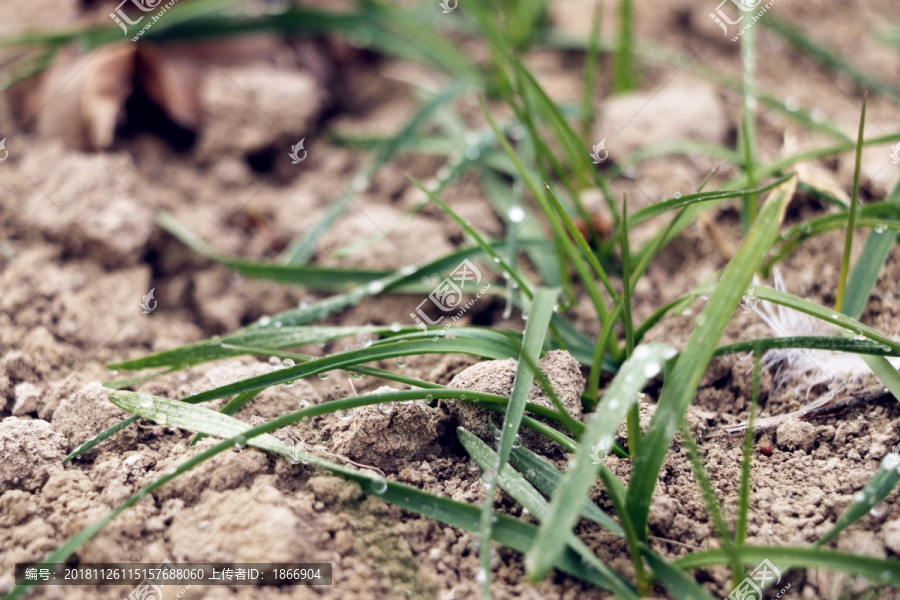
323,375
429,398
241,443
704,297
668,353
386,407
357,375
378,486
289,383
147,402
462,397
859,497
880,228
287,363
496,259
265,320
401,361
343,415
879,510
678,194
517,441
113,372
276,324
375,287
162,419
516,214
497,435
472,152
273,360
651,369
395,327
480,577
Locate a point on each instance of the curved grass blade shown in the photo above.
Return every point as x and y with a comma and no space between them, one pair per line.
474,347
532,343
646,362
835,344
672,203
883,571
820,312
303,247
512,482
686,374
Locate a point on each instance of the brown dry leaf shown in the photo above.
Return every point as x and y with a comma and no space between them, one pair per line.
81,98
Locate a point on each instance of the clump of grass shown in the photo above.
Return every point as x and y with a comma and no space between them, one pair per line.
550,161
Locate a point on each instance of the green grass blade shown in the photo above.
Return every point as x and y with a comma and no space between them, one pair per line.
591,57
646,362
546,477
512,482
680,387
625,75
834,344
820,312
851,218
877,489
303,247
532,343
868,266
678,583
97,439
748,124
740,528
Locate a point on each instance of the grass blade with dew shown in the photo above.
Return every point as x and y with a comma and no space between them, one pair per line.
877,570
834,344
475,347
820,312
508,531
851,214
546,477
513,483
479,240
680,386
532,343
645,363
864,501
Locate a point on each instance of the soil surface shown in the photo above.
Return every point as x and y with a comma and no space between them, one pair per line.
80,222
